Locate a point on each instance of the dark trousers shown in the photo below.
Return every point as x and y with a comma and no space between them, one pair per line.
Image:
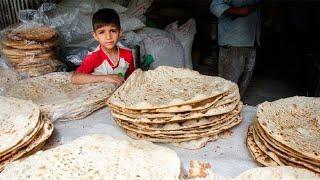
236,64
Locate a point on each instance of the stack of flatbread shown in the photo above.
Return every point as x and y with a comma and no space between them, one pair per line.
277,173
287,132
58,98
23,130
202,171
98,157
29,50
178,106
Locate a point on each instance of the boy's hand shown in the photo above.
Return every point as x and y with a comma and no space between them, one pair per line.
114,78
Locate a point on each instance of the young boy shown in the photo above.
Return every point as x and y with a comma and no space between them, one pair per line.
108,61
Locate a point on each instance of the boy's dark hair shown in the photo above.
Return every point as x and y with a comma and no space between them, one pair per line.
104,17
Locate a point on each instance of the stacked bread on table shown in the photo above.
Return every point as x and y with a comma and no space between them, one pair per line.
177,106
277,173
198,170
58,98
30,50
287,132
23,130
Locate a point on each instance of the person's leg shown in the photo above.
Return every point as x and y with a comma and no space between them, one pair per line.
250,58
231,63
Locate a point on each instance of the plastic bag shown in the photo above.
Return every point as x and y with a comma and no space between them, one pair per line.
138,8
134,42
132,38
185,34
91,6
77,52
65,23
121,2
76,55
164,48
59,18
129,23
118,7
85,6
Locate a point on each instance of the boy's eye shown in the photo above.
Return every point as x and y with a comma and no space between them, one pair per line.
113,30
100,32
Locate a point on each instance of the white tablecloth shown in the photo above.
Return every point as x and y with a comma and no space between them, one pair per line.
228,156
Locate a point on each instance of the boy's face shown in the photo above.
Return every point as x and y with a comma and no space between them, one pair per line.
108,36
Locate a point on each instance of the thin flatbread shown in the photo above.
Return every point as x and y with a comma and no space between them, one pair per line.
256,152
18,118
59,99
98,157
167,87
293,122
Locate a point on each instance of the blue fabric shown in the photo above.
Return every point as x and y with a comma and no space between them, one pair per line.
240,32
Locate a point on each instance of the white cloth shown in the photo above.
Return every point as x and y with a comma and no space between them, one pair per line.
228,157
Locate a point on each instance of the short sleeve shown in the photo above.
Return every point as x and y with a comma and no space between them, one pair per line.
86,66
218,7
131,66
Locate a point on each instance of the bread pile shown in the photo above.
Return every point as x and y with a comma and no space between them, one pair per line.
203,171
29,50
58,98
277,173
98,157
23,131
287,132
173,105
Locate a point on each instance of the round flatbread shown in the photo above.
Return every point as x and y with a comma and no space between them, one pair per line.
18,118
8,51
42,33
167,87
59,98
25,60
32,147
30,45
176,139
256,152
277,173
98,157
294,122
